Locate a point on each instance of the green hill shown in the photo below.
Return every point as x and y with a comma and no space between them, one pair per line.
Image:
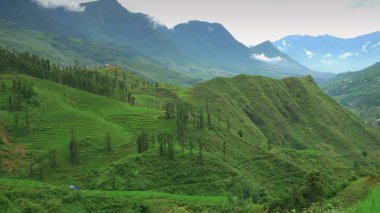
359,91
64,50
246,142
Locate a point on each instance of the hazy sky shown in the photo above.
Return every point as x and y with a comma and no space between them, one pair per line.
254,21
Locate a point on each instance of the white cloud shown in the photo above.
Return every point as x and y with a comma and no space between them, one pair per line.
263,57
346,55
375,46
365,47
308,53
71,5
285,44
328,59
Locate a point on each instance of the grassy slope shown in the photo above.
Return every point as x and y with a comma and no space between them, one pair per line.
369,205
64,50
62,108
290,113
359,91
307,130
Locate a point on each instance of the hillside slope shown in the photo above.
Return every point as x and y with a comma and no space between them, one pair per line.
359,91
255,140
64,50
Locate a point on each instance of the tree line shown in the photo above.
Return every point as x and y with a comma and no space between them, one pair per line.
79,77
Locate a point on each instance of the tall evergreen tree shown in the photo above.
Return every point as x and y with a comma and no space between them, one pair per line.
10,103
107,140
171,151
209,120
74,148
219,119
142,142
16,120
160,139
3,87
27,118
31,172
201,147
52,157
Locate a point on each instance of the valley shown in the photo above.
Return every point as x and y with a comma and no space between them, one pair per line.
106,109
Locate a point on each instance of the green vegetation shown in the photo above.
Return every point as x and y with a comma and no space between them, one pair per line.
64,50
246,143
359,91
369,205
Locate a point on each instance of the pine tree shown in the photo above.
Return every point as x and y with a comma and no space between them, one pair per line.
133,100
108,141
224,149
27,118
31,163
201,147
228,136
209,120
41,172
219,119
10,104
171,151
153,140
160,139
74,148
52,157
16,120
142,142
228,124
3,88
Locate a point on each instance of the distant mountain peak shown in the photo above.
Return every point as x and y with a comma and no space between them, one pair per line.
201,26
107,4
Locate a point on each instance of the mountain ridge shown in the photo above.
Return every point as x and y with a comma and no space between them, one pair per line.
105,22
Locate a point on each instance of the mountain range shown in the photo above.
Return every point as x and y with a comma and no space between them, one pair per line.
332,54
196,49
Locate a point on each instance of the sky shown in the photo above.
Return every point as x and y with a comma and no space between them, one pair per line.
254,21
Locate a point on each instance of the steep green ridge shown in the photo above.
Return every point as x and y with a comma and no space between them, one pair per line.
64,50
359,91
276,135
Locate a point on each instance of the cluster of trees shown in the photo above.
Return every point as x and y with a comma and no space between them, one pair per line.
74,76
21,90
142,142
166,145
20,95
185,114
74,148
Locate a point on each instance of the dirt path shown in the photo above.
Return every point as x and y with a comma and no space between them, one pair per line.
4,135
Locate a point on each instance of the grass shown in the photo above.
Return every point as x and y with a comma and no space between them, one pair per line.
306,130
370,204
91,116
143,195
359,91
